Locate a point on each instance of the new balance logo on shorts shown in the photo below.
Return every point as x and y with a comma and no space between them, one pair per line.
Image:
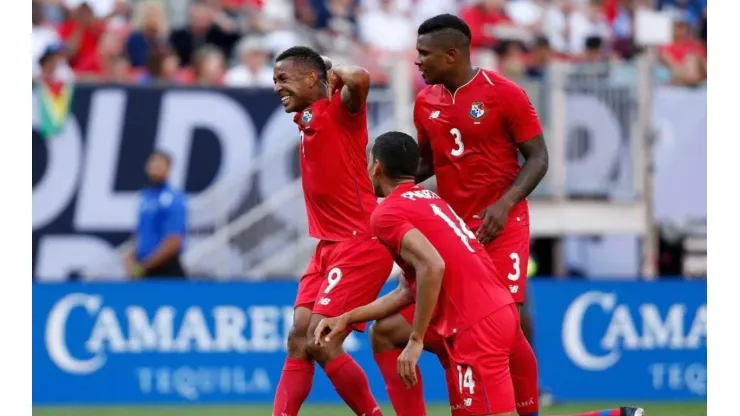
324,301
513,288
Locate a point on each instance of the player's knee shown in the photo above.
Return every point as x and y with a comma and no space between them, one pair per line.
297,342
323,353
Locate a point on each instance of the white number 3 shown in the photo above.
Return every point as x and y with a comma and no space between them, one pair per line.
517,269
458,151
335,275
465,379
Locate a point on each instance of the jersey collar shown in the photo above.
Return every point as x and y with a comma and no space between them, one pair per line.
403,188
453,94
305,117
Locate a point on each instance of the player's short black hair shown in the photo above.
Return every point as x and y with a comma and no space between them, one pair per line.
397,153
306,56
446,24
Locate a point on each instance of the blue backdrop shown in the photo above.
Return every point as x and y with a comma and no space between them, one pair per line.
224,342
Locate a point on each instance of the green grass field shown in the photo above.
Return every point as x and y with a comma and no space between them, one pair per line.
651,409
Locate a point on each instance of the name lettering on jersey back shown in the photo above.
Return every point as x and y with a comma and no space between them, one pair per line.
420,194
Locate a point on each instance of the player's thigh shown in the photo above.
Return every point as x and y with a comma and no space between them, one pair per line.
354,274
479,357
389,333
510,254
310,282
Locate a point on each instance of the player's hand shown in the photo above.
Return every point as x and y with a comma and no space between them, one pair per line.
407,362
494,220
332,79
334,326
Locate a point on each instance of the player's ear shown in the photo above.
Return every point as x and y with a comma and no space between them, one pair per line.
312,77
377,169
451,55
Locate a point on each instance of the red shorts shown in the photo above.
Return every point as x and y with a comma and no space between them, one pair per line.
510,254
344,275
479,356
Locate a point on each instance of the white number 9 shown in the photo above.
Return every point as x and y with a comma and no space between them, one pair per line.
335,275
517,269
458,151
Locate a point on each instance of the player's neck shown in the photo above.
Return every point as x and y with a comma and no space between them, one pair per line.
463,77
391,186
319,94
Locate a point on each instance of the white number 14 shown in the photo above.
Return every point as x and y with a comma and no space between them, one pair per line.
465,379
460,228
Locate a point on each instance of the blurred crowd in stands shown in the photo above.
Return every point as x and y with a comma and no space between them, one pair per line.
232,42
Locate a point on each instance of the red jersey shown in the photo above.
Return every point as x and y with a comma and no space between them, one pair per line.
470,289
473,134
679,51
336,187
88,46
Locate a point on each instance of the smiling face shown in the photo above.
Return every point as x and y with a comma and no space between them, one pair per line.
294,84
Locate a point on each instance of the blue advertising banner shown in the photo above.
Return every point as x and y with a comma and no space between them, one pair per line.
622,341
171,342
138,343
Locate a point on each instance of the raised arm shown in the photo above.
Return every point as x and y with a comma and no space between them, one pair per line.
355,83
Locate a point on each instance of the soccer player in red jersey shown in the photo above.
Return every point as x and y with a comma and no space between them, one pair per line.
470,316
348,268
472,124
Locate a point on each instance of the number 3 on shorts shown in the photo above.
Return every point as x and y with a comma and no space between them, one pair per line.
516,264
465,379
334,276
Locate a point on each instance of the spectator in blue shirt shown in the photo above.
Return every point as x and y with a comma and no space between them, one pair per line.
162,226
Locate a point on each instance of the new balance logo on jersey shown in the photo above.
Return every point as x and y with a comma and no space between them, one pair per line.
324,301
307,116
434,114
513,288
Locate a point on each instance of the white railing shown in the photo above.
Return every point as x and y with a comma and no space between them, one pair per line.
256,245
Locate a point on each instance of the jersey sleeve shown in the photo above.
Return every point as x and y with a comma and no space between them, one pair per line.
520,115
176,219
389,225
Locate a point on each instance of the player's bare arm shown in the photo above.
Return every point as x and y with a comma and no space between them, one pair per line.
429,267
426,163
355,83
531,173
386,305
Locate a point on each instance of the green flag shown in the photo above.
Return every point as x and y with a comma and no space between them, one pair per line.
55,103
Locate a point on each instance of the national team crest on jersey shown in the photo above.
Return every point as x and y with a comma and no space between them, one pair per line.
307,116
477,111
